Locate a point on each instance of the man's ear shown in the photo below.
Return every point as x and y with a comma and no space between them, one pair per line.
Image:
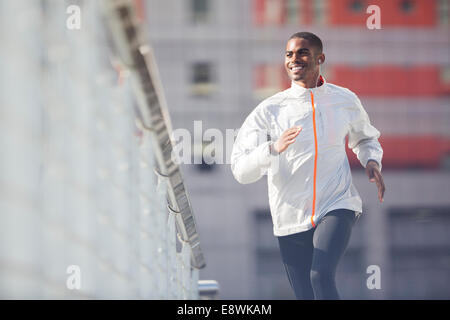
321,58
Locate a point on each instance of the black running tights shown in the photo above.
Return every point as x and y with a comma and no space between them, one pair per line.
311,257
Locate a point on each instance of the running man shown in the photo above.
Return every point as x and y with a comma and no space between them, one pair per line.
313,201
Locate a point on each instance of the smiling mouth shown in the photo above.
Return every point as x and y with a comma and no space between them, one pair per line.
297,68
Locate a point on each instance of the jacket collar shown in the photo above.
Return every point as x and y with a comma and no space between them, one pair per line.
299,91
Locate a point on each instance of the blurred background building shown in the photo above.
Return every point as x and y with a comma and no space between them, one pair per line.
219,59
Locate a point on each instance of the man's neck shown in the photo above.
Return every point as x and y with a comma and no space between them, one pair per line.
308,83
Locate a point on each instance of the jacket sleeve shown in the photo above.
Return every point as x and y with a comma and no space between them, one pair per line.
363,137
251,158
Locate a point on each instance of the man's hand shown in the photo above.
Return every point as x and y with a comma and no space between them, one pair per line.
374,174
286,139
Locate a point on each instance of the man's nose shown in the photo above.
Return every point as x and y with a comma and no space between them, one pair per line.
295,57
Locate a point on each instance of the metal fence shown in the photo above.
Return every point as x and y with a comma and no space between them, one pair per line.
91,204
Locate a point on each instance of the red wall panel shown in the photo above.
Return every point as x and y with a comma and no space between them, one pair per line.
375,80
409,151
422,12
390,80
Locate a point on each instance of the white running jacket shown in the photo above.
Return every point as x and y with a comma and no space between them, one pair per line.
312,176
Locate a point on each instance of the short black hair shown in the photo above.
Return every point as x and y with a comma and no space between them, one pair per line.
311,37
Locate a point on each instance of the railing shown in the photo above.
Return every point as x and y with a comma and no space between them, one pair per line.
137,55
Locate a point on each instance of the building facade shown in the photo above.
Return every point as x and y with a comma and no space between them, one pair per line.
219,59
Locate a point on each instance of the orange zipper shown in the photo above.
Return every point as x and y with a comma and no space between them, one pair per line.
315,160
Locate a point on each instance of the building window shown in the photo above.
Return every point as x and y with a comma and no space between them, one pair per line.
292,11
270,12
200,10
443,12
356,6
407,6
320,12
445,75
419,252
202,83
199,152
289,12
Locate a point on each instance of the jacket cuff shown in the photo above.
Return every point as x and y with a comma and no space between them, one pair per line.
378,162
272,150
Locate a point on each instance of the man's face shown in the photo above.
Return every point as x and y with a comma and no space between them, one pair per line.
300,60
